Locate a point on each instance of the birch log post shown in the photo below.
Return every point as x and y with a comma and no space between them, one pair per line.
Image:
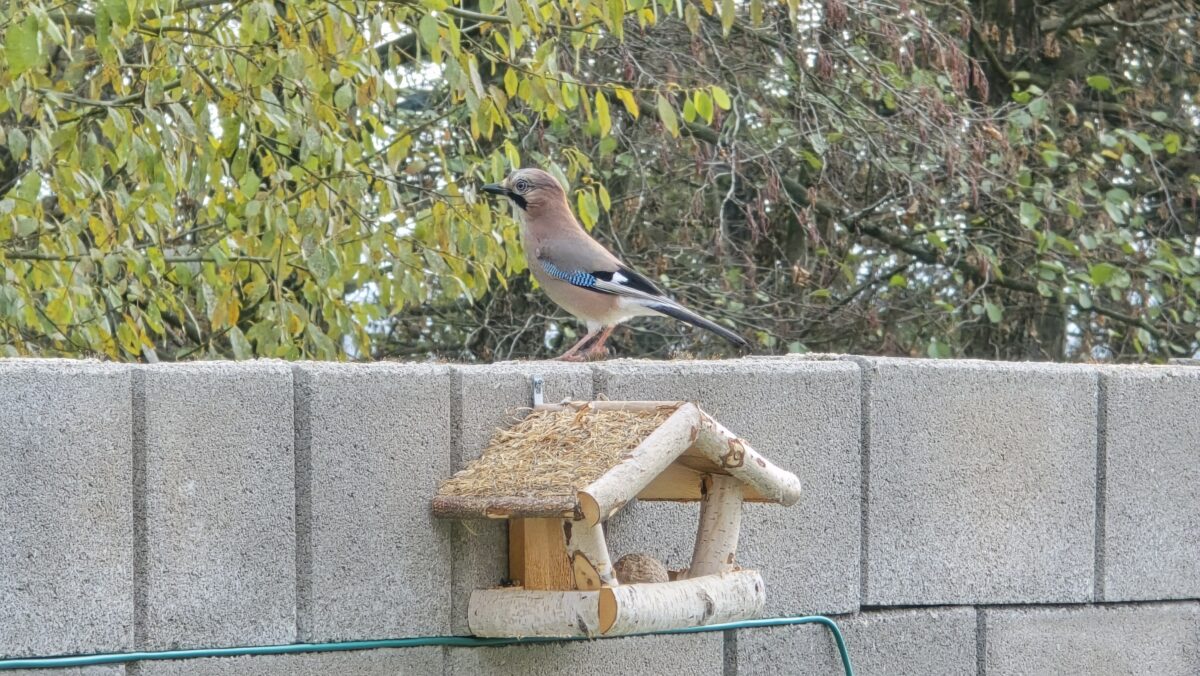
695,602
525,612
588,553
604,496
736,456
720,523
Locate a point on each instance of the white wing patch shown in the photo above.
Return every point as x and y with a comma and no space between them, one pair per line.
619,278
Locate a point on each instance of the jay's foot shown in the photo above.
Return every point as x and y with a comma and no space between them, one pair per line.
597,353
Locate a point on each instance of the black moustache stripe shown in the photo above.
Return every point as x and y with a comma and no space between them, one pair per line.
518,200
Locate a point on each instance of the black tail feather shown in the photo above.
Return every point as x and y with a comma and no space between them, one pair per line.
685,315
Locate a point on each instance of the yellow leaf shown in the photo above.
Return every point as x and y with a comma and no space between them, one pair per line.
666,114
510,82
721,97
602,113
626,97
268,164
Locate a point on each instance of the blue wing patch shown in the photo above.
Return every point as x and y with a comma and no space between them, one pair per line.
576,278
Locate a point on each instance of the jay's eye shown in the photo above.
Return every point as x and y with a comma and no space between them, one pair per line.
521,186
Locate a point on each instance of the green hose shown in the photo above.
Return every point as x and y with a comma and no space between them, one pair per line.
454,641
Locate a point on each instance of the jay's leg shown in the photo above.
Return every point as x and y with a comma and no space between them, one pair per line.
597,350
572,354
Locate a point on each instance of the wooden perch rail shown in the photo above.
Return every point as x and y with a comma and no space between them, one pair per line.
521,612
694,602
617,611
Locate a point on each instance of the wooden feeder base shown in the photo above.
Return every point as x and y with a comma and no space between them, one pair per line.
617,611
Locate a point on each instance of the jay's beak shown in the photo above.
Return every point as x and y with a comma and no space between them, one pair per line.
496,189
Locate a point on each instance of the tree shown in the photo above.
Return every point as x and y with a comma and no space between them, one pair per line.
198,178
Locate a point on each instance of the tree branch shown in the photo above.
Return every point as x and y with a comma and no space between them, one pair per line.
70,258
798,193
85,19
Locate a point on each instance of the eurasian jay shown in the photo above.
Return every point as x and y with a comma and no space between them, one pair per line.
578,273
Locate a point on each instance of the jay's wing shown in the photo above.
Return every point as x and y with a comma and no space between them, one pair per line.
627,283
620,282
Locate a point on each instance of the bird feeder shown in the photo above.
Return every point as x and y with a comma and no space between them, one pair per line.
564,470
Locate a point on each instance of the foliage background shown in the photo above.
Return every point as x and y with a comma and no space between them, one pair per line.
1012,179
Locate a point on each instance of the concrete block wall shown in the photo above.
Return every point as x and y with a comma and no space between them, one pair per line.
959,517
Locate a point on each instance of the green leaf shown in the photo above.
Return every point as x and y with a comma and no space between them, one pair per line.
938,349
1100,83
17,144
1102,273
727,15
344,96
249,183
666,114
427,28
241,346
1171,143
589,211
994,312
118,11
1084,299
616,16
22,46
104,31
1030,215
689,111
1114,212
1137,140
704,105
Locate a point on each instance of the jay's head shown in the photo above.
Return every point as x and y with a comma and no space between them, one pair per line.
529,189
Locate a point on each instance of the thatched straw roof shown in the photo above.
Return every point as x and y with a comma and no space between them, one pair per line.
552,454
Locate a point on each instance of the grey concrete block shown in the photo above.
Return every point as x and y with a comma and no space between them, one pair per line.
928,641
218,552
66,523
491,397
93,670
1152,486
373,441
804,416
981,482
1139,639
684,654
378,662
